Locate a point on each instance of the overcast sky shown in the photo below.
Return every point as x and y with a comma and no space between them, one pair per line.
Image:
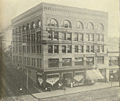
12,8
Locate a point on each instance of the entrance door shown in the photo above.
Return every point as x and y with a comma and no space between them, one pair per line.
67,79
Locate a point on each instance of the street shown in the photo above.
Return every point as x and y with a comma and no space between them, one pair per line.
15,82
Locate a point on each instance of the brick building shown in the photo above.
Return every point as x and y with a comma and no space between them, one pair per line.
57,42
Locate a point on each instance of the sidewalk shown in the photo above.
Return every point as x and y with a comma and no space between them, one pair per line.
68,91
75,90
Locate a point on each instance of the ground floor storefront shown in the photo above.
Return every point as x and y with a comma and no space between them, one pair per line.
69,78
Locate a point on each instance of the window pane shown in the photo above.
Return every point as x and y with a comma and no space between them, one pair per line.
76,48
79,61
63,49
53,62
56,49
66,62
69,50
68,36
89,60
50,49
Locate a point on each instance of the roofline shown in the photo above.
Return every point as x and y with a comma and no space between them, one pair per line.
40,6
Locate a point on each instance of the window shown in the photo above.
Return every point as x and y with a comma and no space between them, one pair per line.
68,36
80,25
89,60
50,35
66,62
92,48
33,37
53,22
102,48
113,60
33,62
55,35
63,36
102,38
28,49
76,48
100,59
38,38
87,48
67,24
76,37
79,61
100,27
81,37
56,49
53,62
33,48
81,49
38,62
98,49
25,60
90,26
38,48
69,50
33,25
63,49
28,61
87,37
91,37
39,23
50,48
98,37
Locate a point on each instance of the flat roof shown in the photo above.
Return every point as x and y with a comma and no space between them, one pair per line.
57,6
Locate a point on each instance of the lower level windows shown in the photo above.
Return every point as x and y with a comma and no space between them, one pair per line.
53,62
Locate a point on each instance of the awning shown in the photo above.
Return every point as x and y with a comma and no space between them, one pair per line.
40,80
52,81
94,75
78,77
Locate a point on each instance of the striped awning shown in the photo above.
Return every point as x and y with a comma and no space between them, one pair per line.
94,75
52,81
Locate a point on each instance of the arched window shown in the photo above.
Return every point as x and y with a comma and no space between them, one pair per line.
39,23
80,25
33,25
67,24
28,26
53,22
23,28
100,27
90,26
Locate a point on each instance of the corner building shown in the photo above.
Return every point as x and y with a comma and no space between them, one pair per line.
55,42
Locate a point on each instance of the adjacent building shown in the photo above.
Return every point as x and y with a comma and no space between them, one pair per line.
56,42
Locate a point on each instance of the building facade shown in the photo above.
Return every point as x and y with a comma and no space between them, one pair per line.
57,42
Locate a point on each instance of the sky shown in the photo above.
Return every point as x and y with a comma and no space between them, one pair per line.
12,8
